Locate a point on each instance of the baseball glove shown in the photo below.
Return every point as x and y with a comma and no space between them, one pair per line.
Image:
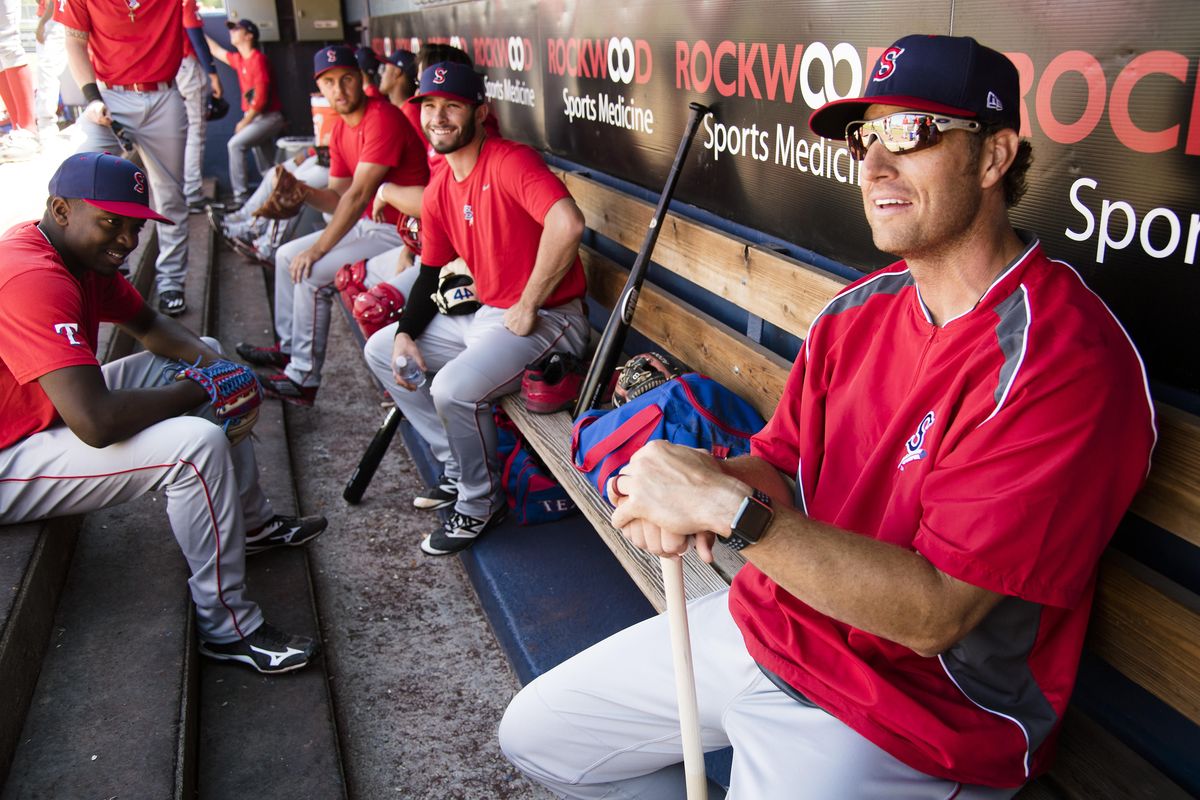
645,372
287,197
233,390
456,294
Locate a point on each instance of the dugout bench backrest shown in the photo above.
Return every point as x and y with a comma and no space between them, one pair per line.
1144,625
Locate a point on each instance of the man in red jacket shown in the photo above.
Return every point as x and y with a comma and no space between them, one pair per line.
923,516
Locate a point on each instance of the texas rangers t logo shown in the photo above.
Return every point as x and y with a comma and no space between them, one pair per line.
69,329
887,63
914,448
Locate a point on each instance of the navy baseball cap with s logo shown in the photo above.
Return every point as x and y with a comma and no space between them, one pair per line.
951,75
338,55
105,181
453,81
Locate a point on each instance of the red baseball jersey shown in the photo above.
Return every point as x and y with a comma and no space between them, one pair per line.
191,19
384,137
51,321
493,219
1004,447
255,82
130,41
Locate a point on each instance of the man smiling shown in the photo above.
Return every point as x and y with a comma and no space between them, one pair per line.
76,436
495,204
923,515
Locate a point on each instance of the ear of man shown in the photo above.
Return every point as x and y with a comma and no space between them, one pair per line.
996,155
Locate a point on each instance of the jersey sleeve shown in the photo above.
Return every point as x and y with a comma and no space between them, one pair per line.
1004,509
527,178
778,443
436,249
383,140
74,14
40,337
338,166
191,15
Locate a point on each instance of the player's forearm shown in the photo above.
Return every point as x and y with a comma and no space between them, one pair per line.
406,199
348,211
218,52
48,14
557,250
77,57
126,412
887,590
323,200
166,337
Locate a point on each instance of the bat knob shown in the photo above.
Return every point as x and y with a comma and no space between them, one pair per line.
699,108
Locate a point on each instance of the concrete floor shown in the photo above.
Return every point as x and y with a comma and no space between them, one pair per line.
418,681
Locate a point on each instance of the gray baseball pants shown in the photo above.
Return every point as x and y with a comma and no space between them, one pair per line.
157,124
259,137
477,360
211,489
605,724
302,310
192,81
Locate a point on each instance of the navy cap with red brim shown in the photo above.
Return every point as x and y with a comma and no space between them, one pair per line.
106,182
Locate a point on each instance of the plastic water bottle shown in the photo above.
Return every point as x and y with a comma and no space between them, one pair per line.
409,371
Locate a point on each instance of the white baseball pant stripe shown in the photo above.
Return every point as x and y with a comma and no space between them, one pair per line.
604,724
302,310
212,492
477,360
12,52
258,137
157,123
192,81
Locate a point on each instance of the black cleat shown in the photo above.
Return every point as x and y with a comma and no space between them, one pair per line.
269,650
281,531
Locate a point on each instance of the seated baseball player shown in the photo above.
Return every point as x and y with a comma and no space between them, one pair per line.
370,142
923,515
77,436
496,205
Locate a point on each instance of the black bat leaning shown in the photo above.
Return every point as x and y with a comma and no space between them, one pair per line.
612,340
365,471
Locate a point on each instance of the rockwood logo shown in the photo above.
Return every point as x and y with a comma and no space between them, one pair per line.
756,69
620,59
512,53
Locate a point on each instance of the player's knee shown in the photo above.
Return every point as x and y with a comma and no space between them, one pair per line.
521,732
378,352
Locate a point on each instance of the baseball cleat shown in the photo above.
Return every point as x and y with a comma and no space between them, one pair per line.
269,650
280,386
443,495
262,356
172,303
281,531
460,532
552,383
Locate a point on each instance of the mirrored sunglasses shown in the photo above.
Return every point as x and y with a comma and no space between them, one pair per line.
905,132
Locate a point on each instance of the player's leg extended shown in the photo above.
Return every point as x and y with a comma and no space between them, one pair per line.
489,367
51,61
605,723
312,298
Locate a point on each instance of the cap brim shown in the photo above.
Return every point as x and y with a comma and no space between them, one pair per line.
416,98
135,210
323,70
831,119
231,25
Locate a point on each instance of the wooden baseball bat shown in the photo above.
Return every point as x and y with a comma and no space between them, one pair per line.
612,340
685,678
360,479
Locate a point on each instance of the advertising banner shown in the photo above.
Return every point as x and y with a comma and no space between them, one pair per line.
1110,102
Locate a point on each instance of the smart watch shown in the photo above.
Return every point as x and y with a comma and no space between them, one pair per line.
751,521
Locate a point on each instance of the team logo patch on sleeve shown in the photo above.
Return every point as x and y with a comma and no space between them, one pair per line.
68,329
914,448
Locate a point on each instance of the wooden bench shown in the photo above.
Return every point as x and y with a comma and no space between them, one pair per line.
1144,625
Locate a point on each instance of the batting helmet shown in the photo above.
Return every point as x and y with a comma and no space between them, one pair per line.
215,108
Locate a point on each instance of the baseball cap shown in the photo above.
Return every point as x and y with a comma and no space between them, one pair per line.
953,75
338,55
246,25
107,182
455,81
405,61
368,60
